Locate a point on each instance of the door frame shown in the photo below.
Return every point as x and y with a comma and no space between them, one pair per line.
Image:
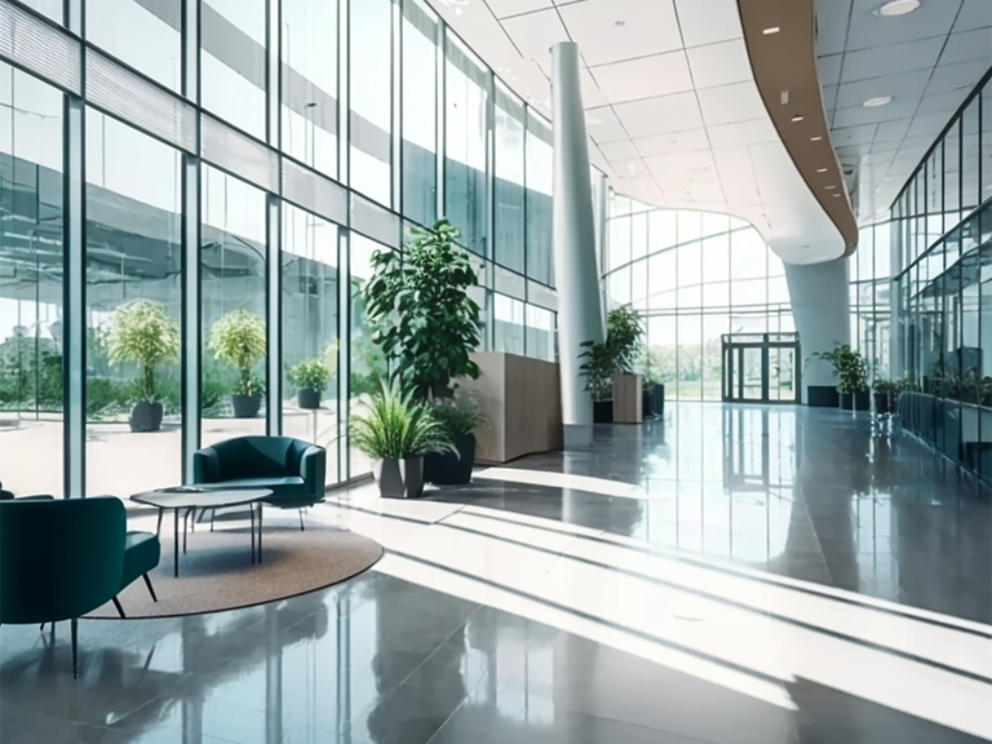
733,349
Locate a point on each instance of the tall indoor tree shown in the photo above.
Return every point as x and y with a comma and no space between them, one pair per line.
422,316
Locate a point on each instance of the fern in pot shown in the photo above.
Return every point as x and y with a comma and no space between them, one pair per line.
238,339
310,378
851,371
142,333
396,431
460,416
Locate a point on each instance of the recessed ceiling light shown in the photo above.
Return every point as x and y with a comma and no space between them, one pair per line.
837,196
828,188
620,23
771,30
797,117
821,170
815,139
879,101
898,8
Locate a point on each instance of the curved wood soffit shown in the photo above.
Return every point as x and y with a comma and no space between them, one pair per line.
786,61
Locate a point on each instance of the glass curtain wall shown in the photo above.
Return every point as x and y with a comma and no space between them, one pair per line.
941,254
694,276
32,267
218,206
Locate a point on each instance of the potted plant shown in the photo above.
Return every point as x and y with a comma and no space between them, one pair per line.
396,431
310,377
143,334
598,369
238,339
422,317
885,392
654,389
624,332
851,371
460,416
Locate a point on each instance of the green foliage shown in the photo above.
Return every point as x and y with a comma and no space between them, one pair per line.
882,386
396,426
143,334
310,374
624,332
213,392
906,385
849,367
618,354
418,305
238,339
460,415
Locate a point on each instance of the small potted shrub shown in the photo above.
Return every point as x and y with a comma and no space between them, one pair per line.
143,334
598,369
396,432
238,339
310,377
460,416
851,371
885,392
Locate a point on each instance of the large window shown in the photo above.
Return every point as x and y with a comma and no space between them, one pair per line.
419,71
467,86
146,36
310,330
233,307
133,309
695,276
310,83
540,179
233,62
371,98
31,271
509,184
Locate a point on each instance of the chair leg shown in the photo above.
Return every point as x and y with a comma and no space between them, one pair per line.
75,648
120,609
42,628
301,520
213,513
148,583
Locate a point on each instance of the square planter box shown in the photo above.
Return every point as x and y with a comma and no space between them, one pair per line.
399,479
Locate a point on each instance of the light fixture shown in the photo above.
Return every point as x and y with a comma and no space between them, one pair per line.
771,30
815,139
821,170
898,8
620,23
797,117
828,188
836,196
878,101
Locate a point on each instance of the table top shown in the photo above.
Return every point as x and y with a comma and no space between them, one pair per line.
206,498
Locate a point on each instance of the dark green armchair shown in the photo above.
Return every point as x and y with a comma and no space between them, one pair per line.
292,469
63,558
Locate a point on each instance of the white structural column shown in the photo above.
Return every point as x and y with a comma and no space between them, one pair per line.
580,313
821,306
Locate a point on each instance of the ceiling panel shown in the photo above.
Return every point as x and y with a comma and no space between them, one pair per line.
603,125
503,8
620,150
646,77
967,46
905,86
974,14
828,68
719,64
708,21
613,30
867,30
535,34
749,132
675,113
893,59
862,134
731,103
592,94
664,144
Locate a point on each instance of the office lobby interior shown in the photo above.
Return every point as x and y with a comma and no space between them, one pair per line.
495,371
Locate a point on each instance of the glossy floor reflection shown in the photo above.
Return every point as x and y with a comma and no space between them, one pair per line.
729,576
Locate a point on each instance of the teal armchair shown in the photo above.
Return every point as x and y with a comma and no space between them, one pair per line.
292,469
63,558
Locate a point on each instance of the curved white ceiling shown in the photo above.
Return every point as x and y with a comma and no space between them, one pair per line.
672,108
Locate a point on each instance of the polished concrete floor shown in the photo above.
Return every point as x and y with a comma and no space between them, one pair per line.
765,575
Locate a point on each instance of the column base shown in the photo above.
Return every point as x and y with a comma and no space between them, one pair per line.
575,436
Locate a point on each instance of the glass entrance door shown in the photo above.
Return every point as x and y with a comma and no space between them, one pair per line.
761,367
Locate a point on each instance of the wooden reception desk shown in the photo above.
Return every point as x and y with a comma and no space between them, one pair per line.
522,398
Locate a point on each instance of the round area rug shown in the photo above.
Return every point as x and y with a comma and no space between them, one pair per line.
216,572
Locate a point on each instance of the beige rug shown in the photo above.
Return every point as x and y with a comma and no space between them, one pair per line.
216,572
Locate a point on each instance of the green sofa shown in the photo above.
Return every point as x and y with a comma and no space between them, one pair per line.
292,469
63,558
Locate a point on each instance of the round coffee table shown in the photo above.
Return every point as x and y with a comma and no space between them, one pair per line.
191,498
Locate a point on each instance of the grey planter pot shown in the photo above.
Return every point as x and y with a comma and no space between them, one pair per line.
246,406
399,479
449,469
307,398
146,416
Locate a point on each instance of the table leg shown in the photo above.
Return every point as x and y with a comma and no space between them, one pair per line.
175,523
185,529
158,529
259,531
251,512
